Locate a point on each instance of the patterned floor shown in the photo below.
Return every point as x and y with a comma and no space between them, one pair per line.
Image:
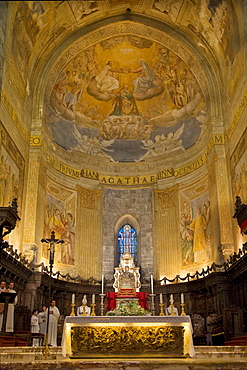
121,365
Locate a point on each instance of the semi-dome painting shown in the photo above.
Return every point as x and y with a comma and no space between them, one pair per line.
127,99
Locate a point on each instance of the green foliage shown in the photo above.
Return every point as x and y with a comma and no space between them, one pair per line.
130,308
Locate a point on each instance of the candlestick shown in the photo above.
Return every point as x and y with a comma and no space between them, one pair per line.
93,299
152,284
152,304
93,309
161,298
182,298
171,299
72,309
73,298
161,309
102,304
102,290
182,310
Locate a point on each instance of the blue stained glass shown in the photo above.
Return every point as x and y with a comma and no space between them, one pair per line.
127,240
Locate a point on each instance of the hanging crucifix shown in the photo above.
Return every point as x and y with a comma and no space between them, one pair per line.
52,241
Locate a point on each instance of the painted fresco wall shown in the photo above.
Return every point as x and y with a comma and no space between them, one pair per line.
60,217
3,19
12,168
195,227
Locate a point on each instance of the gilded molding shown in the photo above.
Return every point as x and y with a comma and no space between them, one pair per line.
139,180
88,198
30,219
238,113
166,198
223,197
36,140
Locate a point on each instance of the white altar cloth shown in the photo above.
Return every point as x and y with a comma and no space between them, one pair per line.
72,321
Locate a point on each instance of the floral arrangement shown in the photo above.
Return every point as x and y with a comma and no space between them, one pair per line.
130,308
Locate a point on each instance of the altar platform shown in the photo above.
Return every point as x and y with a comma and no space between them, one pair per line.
206,358
127,336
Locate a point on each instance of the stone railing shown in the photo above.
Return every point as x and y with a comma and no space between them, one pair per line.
78,279
205,272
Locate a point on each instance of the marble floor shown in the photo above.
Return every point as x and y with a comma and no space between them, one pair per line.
206,358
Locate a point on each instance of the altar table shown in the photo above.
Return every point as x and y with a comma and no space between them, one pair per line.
131,336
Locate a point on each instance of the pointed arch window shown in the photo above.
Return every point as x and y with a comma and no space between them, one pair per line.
127,240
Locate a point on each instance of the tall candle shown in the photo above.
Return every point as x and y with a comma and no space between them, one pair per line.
102,290
182,298
171,299
161,298
73,298
152,284
93,299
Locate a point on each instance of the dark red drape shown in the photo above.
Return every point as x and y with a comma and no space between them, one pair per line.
111,300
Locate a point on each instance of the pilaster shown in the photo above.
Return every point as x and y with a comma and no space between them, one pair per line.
226,245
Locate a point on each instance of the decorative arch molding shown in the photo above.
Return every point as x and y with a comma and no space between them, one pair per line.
127,219
186,48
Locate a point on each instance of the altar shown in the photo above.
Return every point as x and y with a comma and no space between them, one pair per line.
127,336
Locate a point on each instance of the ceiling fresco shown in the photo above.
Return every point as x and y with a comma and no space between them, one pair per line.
127,99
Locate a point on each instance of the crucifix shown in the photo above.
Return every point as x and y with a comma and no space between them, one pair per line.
52,241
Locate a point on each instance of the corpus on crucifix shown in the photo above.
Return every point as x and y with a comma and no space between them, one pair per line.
50,326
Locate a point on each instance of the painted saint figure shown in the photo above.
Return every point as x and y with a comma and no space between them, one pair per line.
147,84
106,81
145,78
124,104
198,225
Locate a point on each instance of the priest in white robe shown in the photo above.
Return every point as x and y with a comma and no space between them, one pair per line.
53,323
2,289
84,310
171,311
11,310
34,327
42,316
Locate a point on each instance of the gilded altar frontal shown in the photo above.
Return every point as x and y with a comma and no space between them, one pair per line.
123,145
127,341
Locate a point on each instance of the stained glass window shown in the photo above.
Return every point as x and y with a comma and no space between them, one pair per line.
127,239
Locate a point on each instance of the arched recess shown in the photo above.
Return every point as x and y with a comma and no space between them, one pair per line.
123,220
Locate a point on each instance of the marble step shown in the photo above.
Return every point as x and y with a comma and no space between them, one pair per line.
221,351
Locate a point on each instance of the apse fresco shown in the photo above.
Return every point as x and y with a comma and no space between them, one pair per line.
126,99
60,218
29,22
196,231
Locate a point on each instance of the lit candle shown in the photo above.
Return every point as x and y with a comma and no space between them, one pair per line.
171,299
161,298
73,298
93,299
152,284
102,291
182,298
